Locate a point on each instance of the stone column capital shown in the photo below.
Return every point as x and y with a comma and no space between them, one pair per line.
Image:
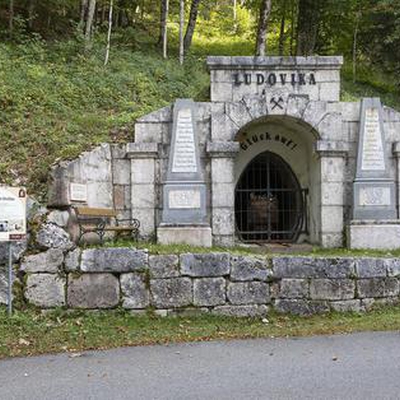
330,148
142,150
222,149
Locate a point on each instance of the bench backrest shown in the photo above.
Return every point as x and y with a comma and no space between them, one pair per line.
89,212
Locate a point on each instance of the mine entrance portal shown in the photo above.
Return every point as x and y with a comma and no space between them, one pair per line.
270,205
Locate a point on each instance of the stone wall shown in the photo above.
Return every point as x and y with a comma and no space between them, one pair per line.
219,283
106,173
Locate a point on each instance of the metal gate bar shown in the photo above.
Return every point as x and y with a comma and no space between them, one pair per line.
270,205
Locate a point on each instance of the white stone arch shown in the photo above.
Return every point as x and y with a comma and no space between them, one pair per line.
317,116
294,141
318,120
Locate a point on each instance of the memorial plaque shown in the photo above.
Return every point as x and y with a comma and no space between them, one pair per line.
78,192
374,189
184,155
373,157
184,190
374,196
184,199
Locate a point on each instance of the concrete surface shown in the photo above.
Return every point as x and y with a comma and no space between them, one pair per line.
359,366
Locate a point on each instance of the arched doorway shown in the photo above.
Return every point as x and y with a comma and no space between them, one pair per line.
270,204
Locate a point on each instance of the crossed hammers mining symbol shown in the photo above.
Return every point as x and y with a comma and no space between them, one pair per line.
276,103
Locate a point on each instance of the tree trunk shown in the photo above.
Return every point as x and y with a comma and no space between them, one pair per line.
194,10
181,27
84,8
307,26
31,15
11,18
89,22
282,35
163,40
103,14
110,18
265,10
235,25
293,9
355,36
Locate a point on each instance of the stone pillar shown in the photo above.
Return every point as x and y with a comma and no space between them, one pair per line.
143,185
396,154
333,163
222,156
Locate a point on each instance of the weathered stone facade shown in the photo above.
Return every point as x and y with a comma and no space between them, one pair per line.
288,107
219,283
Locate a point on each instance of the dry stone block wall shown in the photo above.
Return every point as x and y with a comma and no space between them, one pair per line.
219,283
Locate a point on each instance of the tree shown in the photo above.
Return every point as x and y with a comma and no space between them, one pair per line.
89,22
194,10
163,26
181,27
11,17
265,10
307,26
84,9
282,35
110,19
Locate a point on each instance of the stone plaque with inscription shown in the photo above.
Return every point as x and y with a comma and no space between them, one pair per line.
374,190
78,192
184,192
184,155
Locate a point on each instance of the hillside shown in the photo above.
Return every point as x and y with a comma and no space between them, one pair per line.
56,102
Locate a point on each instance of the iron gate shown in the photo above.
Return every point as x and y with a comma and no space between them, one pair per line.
270,205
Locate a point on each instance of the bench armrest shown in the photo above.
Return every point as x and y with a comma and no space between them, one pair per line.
133,222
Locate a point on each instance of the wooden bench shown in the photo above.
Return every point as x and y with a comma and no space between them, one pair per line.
97,220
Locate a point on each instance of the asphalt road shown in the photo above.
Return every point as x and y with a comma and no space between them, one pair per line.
361,366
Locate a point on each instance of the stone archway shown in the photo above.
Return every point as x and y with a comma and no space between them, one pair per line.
318,160
270,205
294,142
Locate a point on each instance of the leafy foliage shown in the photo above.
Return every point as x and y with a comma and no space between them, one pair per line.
56,103
57,100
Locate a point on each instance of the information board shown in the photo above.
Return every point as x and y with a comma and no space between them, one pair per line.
12,213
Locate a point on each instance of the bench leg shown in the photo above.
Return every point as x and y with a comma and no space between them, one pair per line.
135,235
81,234
101,234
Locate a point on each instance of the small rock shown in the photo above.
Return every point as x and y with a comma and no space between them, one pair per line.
52,236
75,355
59,218
24,342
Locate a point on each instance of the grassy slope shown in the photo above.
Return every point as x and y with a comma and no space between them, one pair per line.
55,102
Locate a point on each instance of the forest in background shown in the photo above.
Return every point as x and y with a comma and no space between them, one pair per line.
76,73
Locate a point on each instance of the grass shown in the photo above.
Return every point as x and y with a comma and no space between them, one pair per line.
30,332
56,102
156,248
